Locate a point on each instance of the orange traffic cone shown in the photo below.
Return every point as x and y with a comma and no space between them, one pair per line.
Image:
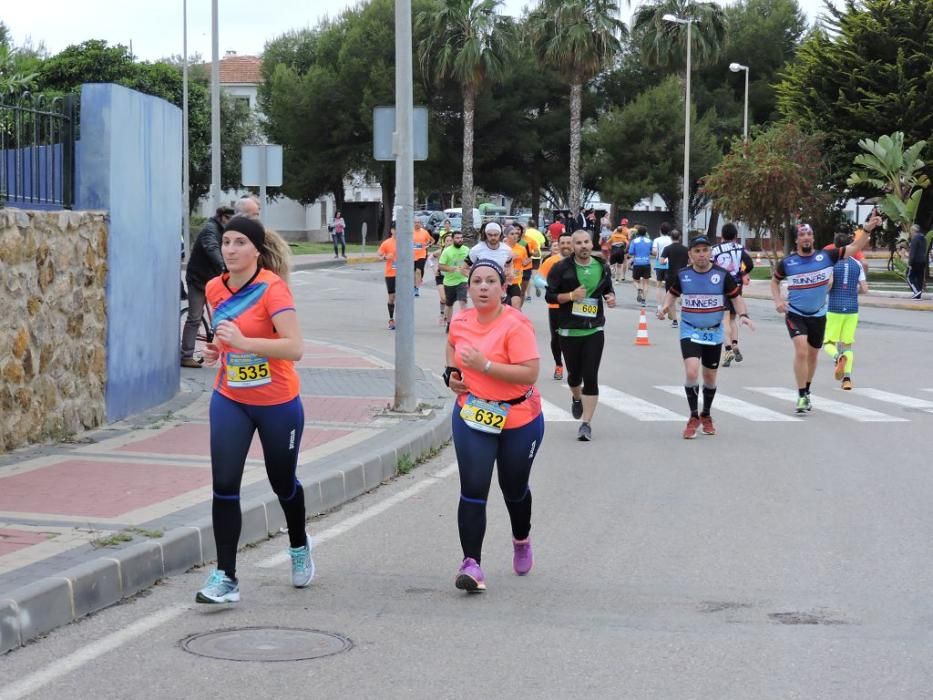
641,338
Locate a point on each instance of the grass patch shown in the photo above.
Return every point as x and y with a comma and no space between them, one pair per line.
302,248
114,540
404,464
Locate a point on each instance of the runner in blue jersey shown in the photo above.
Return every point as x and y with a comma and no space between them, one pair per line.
703,289
809,275
639,251
842,317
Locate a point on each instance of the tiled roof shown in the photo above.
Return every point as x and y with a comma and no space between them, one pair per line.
238,70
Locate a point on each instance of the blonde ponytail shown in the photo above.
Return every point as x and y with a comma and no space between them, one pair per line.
277,256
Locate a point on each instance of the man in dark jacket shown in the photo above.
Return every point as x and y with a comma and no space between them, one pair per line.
580,284
917,261
205,263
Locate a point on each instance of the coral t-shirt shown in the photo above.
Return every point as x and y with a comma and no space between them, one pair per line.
421,240
545,269
387,248
509,339
247,377
520,261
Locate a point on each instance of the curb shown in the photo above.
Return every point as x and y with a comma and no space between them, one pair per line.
40,607
331,264
883,303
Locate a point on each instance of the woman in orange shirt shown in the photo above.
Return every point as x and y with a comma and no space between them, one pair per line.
257,341
492,366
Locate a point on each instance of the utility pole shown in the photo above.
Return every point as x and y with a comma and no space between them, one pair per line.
406,399
215,109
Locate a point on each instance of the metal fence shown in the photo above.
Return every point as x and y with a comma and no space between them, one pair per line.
37,151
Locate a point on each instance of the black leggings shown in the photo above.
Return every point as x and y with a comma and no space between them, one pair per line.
513,450
232,428
553,320
582,353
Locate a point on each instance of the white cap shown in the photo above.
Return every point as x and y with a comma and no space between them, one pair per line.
492,226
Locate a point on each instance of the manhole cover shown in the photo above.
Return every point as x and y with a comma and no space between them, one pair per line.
266,644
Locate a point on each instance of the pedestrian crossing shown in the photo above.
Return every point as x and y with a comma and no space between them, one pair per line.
780,408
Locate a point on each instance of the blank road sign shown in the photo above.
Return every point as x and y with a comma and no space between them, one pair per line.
384,128
251,165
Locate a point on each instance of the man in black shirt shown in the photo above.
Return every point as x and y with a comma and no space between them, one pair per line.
917,261
677,257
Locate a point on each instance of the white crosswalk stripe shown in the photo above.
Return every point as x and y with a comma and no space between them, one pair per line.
736,407
897,399
553,414
820,403
633,406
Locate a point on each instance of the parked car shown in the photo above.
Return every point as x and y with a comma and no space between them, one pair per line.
458,212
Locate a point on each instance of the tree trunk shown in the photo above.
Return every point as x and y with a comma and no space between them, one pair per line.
535,192
388,197
469,106
713,223
576,106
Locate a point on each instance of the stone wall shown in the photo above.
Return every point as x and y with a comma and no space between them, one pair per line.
53,335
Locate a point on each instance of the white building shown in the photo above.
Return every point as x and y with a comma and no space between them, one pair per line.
241,76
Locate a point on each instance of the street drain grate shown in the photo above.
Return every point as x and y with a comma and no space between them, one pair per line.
817,617
266,644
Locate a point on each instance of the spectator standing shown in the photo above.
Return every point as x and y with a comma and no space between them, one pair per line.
916,261
339,236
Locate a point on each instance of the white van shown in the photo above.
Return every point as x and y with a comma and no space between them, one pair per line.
457,214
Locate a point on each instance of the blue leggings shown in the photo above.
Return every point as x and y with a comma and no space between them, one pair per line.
232,428
514,450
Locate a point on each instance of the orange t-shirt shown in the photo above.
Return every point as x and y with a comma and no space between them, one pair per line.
545,269
509,339
520,262
421,240
247,377
387,248
619,237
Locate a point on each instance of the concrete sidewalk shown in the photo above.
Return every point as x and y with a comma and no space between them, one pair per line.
105,514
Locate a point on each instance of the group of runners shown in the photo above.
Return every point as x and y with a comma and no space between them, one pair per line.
492,356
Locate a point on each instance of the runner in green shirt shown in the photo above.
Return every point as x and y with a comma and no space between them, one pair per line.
452,266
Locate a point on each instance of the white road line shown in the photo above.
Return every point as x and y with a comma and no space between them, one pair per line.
361,517
553,414
897,399
637,408
61,667
820,403
737,407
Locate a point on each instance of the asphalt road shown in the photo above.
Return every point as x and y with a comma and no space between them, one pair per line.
782,558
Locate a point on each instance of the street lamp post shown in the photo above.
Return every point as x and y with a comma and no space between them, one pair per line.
215,109
735,68
686,207
406,398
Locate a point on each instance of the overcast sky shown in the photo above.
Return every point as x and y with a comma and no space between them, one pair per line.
154,27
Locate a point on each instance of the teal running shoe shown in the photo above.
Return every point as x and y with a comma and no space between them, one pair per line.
219,588
302,564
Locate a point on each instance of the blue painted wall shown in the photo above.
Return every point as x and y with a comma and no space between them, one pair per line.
129,163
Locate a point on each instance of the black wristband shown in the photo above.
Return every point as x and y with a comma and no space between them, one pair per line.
743,315
447,372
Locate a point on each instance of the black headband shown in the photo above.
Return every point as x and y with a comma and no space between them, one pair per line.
486,262
250,228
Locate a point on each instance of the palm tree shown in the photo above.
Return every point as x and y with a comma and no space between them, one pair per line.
664,44
467,41
578,38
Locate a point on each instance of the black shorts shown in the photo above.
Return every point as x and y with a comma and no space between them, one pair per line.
419,264
660,274
617,255
455,293
535,263
390,285
513,290
641,272
709,355
814,327
526,275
